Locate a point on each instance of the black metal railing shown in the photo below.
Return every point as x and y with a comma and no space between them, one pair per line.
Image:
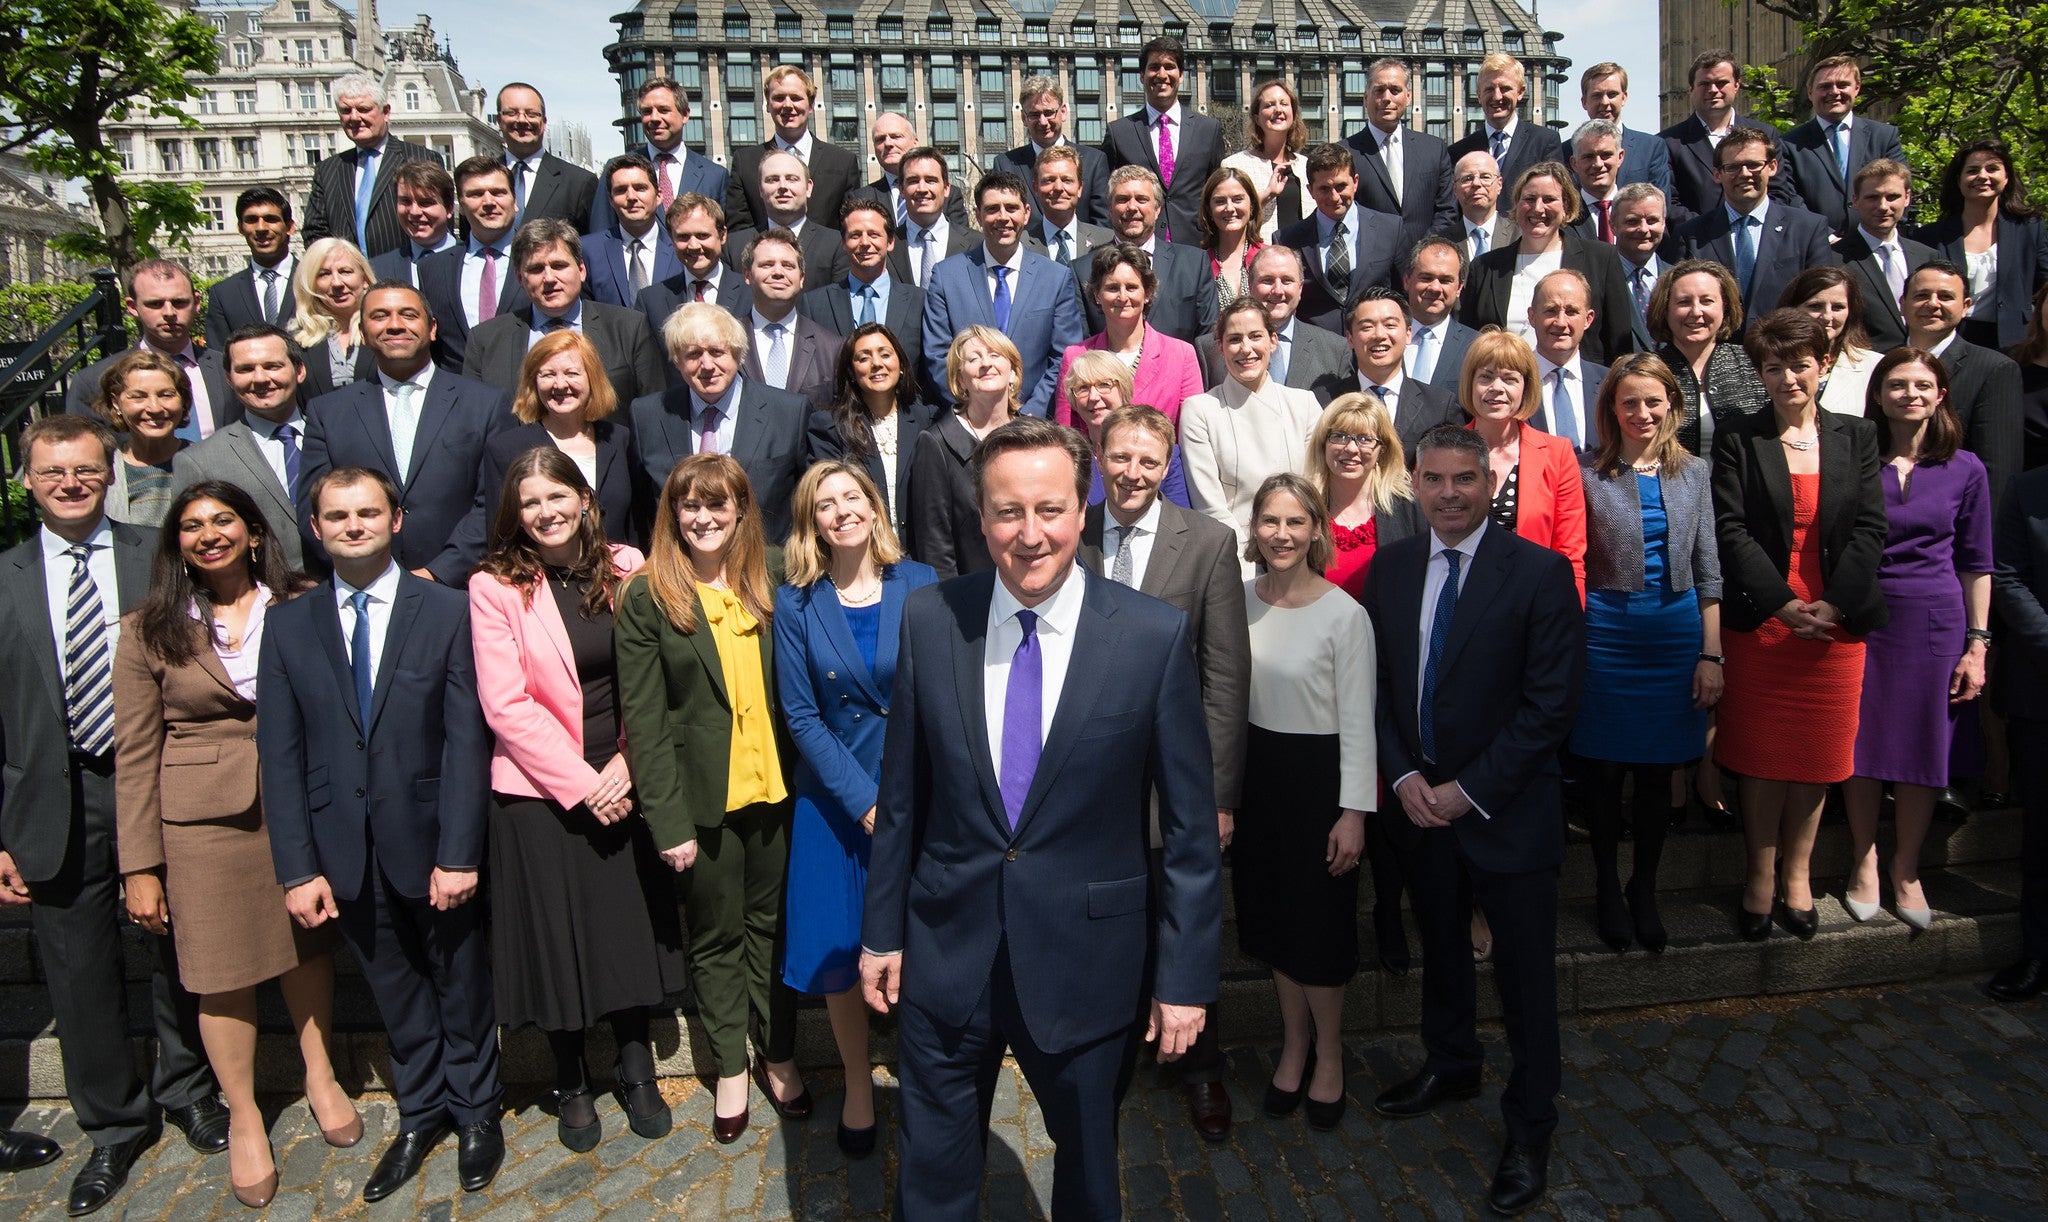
33,383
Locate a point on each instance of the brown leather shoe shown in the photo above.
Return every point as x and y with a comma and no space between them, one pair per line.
727,1129
1209,1108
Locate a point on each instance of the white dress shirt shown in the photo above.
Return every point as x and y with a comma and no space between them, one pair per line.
1144,532
1058,617
1575,393
1014,265
284,269
473,273
712,283
382,592
57,584
802,146
1894,257
1432,589
1173,129
939,230
1529,272
264,434
1392,387
403,431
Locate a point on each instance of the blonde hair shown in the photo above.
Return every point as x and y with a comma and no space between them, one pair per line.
1387,478
1096,365
310,324
1503,350
671,578
1500,63
115,380
807,554
956,364
603,400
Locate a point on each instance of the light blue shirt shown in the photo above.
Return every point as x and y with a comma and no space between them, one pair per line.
574,319
726,406
881,286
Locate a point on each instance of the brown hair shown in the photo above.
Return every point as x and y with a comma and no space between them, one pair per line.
1567,188
1944,435
671,578
127,365
807,554
1664,448
513,557
1783,334
1321,548
1207,225
1818,279
165,621
1498,349
1659,319
1140,417
58,429
1297,136
1033,433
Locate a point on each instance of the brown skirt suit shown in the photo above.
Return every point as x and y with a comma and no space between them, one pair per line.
185,788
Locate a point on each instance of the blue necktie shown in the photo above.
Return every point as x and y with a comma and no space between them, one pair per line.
1745,254
359,653
1839,139
288,437
1439,633
866,292
1478,241
1561,412
1023,719
1002,299
365,189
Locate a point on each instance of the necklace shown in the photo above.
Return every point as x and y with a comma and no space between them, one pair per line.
862,598
1645,468
1801,446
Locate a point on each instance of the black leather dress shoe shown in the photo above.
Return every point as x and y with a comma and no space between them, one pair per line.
481,1152
105,1170
1421,1093
2022,981
1801,923
1208,1109
204,1122
20,1151
1521,1179
401,1161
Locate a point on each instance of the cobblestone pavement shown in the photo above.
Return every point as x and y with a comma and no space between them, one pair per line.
1926,1101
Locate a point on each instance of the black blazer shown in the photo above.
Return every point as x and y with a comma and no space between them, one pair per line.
1753,521
2019,591
1381,243
1881,315
822,440
955,209
823,253
233,303
331,209
441,284
1694,191
632,360
35,740
1418,408
1490,280
440,494
1198,153
320,369
613,493
562,191
1792,240
1094,206
664,297
1508,685
1185,304
1532,143
1426,203
834,172
960,238
2022,266
1984,392
767,440
1805,158
813,359
945,520
831,307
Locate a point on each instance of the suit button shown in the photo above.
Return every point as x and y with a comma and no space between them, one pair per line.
856,716
359,744
843,699
831,674
359,793
1010,856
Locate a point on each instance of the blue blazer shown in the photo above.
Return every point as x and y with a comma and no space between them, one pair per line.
1070,889
2022,266
608,279
699,174
1805,157
836,708
414,782
442,493
441,284
1792,240
1045,319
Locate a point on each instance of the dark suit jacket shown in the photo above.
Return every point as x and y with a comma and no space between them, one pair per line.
831,307
608,279
1693,189
560,190
85,387
1045,319
1198,153
813,359
415,783
1086,238
1881,315
320,370
441,285
1194,567
664,297
767,440
1753,520
1532,143
1984,393
945,520
1644,158
331,209
1426,204
1791,241
1589,407
2022,266
1507,687
1094,206
35,739
1185,304
955,209
1490,281
834,172
442,532
824,256
960,238
1380,246
1805,158
234,302
1315,359
1069,889
613,493
1418,408
231,455
2019,590
698,173
822,440
632,360
1451,359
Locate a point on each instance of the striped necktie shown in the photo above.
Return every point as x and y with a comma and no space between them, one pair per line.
88,672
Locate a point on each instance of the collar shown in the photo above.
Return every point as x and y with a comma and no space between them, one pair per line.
267,429
1506,130
690,278
1436,329
532,163
918,229
283,268
1037,148
801,146
447,242
1491,221
1631,267
1152,114
571,316
1716,132
383,590
1469,549
627,239
881,283
1847,123
1393,383
503,246
1385,138
1060,613
1874,242
184,356
678,153
1947,342
1015,263
723,403
1759,214
423,379
1325,226
1147,523
1050,232
761,322
376,150
1571,368
55,545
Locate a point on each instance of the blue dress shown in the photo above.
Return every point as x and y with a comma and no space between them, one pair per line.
1641,649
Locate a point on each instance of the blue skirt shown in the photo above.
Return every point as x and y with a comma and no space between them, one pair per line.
1641,650
828,880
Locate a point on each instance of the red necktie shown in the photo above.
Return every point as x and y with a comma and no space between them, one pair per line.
1606,227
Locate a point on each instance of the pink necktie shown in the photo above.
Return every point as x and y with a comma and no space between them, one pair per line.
487,287
665,184
1165,171
707,432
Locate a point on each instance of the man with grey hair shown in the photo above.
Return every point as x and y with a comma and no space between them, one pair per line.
1642,237
1596,161
353,193
1307,358
1044,107
1401,171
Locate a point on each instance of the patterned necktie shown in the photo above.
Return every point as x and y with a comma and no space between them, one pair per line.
699,289
487,287
1064,250
366,189
665,183
1165,171
359,653
1120,568
775,366
1606,230
1639,288
1002,301
1838,139
638,262
1439,634
1745,254
1500,148
270,295
1023,718
404,423
707,430
926,248
288,437
1337,263
88,673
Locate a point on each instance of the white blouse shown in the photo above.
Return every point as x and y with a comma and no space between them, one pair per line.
1313,671
1849,381
1982,269
1231,439
1522,290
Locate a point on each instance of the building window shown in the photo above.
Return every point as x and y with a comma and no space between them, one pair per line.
1354,84
944,78
241,55
845,131
1219,34
889,29
739,73
1087,122
843,78
216,213
1130,33
207,153
302,10
894,76
1263,36
945,132
1087,78
1305,35
743,132
170,155
1436,87
1349,37
940,29
1513,38
1223,82
995,133
323,49
789,27
693,132
682,24
988,30
312,149
738,27
839,29
209,102
1131,84
1474,40
1037,33
255,24
688,74
248,153
993,80
304,50
124,151
308,100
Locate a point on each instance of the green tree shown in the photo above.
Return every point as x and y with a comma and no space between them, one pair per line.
1948,72
68,68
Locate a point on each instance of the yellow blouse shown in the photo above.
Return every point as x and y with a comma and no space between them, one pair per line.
754,772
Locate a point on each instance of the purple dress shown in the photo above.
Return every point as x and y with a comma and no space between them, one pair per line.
1942,530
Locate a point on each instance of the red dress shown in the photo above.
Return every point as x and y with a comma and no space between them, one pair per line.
1790,709
1354,549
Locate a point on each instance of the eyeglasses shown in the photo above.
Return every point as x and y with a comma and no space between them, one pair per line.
57,475
1364,441
1746,167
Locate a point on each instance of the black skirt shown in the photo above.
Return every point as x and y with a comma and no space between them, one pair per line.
1292,915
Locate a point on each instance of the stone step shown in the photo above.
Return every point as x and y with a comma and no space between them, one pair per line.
1976,930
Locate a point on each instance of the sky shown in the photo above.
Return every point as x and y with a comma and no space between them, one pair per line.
500,40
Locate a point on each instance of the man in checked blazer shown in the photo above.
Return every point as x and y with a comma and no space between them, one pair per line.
331,209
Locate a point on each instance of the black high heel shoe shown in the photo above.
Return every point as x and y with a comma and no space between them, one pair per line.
1801,923
1611,917
1642,906
1753,926
1283,1102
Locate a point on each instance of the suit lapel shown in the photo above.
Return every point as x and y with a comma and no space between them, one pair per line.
29,588
1696,143
1376,157
327,619
970,694
404,610
553,628
705,647
825,611
209,661
370,405
433,415
1489,574
749,434
1166,550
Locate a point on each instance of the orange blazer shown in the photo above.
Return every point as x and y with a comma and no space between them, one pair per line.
531,695
1550,507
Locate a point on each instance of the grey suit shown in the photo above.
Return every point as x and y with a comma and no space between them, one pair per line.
813,359
1614,529
1314,357
632,360
1444,374
1086,238
232,455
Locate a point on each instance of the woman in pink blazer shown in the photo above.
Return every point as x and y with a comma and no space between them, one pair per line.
1164,370
584,914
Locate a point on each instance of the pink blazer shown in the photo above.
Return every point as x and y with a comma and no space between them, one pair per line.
526,681
1168,371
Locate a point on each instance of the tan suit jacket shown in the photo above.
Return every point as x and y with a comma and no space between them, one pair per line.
184,747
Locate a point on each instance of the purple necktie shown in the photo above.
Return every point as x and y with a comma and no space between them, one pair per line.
1023,718
1165,171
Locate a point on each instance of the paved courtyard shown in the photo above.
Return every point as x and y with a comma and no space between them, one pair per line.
1925,1101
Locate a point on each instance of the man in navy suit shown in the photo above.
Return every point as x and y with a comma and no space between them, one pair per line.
1056,198
1597,163
425,428
1044,107
543,185
1378,326
466,286
550,262
1401,171
1433,281
664,108
869,293
1009,903
785,350
376,771
1764,242
790,97
1194,141
1515,143
1643,240
697,235
1603,91
1824,154
634,252
1184,304
262,291
930,234
426,211
1561,312
1716,82
1344,247
1000,284
1881,257
785,188
1480,660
